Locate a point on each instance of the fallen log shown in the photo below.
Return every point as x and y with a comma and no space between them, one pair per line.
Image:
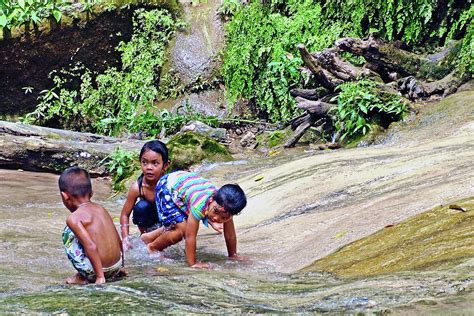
36,148
415,89
310,94
298,120
315,113
395,70
339,67
325,78
386,58
315,108
300,130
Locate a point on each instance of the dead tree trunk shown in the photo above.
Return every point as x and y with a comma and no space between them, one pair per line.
387,59
324,77
310,94
337,66
395,70
35,148
316,112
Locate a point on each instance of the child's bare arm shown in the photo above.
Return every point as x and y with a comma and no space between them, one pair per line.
192,227
125,214
230,238
89,245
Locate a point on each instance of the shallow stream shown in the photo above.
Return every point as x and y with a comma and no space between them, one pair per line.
303,205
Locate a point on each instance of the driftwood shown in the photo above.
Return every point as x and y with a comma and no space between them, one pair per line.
310,94
337,66
324,77
316,112
389,60
315,108
300,130
394,69
37,148
417,89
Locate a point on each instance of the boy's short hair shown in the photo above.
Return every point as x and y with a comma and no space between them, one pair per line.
232,198
75,181
156,146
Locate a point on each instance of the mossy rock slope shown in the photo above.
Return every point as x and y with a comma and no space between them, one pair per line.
187,149
436,239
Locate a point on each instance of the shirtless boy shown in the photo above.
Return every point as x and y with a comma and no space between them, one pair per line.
90,239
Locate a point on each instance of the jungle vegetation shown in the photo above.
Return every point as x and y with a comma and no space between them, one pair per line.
260,62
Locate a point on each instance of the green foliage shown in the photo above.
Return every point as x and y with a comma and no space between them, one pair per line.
16,13
466,55
254,59
259,60
412,21
360,104
273,94
229,8
121,164
117,100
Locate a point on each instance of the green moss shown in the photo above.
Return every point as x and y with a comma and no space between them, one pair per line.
187,149
274,138
439,238
423,67
53,136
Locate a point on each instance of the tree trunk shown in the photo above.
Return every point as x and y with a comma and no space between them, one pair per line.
325,78
386,58
37,148
316,108
299,132
310,94
340,68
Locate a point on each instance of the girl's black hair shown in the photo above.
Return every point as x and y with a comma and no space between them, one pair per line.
232,198
156,146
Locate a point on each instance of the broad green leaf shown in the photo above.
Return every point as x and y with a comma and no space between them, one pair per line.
57,15
3,21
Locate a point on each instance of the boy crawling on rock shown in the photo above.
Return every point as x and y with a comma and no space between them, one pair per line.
90,239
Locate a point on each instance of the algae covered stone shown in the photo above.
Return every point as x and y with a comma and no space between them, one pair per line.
189,148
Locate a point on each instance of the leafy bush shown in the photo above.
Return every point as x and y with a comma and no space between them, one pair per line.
116,100
360,104
259,60
121,164
254,63
466,56
229,8
415,22
15,13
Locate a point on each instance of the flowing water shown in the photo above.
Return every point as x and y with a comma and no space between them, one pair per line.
302,206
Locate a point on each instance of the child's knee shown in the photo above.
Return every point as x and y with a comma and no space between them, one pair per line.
144,214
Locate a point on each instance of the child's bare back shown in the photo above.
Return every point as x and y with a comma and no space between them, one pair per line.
100,227
90,239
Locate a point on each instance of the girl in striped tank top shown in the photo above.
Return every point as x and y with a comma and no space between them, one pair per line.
183,200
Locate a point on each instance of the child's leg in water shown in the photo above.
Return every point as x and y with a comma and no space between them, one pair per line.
151,236
77,279
167,238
